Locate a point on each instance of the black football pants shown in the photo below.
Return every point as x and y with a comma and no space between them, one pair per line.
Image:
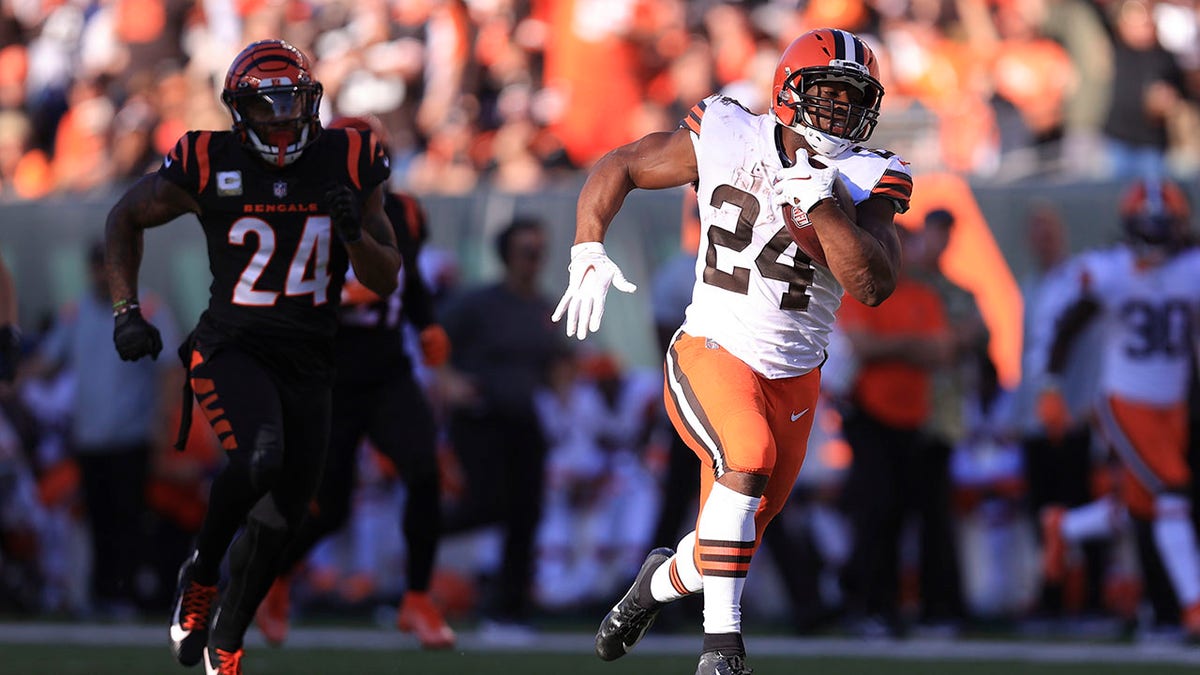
275,434
503,460
395,415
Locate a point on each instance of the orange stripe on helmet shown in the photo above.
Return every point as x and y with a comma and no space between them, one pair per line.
259,53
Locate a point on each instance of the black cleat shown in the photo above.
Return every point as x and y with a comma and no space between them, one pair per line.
628,621
221,662
720,663
189,620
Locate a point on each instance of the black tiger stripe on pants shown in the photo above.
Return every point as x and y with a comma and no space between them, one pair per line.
280,433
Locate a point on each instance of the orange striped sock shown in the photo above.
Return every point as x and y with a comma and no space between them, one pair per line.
678,576
725,545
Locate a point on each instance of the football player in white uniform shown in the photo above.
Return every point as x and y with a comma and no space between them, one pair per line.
1146,294
742,373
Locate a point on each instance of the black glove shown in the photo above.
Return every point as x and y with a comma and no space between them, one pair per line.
10,352
134,336
345,213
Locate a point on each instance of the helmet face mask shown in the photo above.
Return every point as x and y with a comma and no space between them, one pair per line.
273,100
827,90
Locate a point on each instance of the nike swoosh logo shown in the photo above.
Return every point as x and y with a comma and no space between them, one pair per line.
178,633
798,415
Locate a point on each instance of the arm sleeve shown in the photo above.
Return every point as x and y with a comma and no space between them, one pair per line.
1064,314
374,166
695,116
186,164
895,185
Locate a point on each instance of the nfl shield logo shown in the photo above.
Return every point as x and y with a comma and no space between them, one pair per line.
280,189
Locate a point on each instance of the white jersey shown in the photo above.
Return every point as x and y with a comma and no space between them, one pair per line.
1149,322
756,295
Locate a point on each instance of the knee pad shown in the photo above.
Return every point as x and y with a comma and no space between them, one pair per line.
266,456
266,515
266,533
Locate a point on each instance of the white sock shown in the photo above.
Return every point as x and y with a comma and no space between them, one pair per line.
1094,520
725,543
1176,542
678,576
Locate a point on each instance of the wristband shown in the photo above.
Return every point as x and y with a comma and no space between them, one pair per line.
124,306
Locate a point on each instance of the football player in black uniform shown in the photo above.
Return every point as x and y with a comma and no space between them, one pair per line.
376,395
285,207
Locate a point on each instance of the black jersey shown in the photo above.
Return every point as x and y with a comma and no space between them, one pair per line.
277,266
370,344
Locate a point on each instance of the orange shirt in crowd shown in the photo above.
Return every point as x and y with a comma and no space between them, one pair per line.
896,392
1035,76
590,61
34,177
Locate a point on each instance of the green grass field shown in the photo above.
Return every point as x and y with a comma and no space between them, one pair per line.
79,660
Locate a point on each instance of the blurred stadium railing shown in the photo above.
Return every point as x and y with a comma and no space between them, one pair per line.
44,243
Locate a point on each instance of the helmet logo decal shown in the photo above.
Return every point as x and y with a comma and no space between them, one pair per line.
850,65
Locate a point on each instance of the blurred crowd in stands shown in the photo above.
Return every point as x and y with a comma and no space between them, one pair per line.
519,96
921,506
521,93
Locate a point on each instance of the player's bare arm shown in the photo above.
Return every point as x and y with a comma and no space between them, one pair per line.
152,201
1070,325
375,257
863,256
656,161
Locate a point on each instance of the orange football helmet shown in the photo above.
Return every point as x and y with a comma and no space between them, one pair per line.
274,100
1155,213
820,56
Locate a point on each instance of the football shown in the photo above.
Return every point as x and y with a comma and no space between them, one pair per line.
803,232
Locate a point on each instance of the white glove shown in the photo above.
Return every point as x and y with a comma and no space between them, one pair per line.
804,185
591,273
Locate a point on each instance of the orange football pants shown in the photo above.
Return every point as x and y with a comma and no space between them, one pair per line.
1152,444
735,419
